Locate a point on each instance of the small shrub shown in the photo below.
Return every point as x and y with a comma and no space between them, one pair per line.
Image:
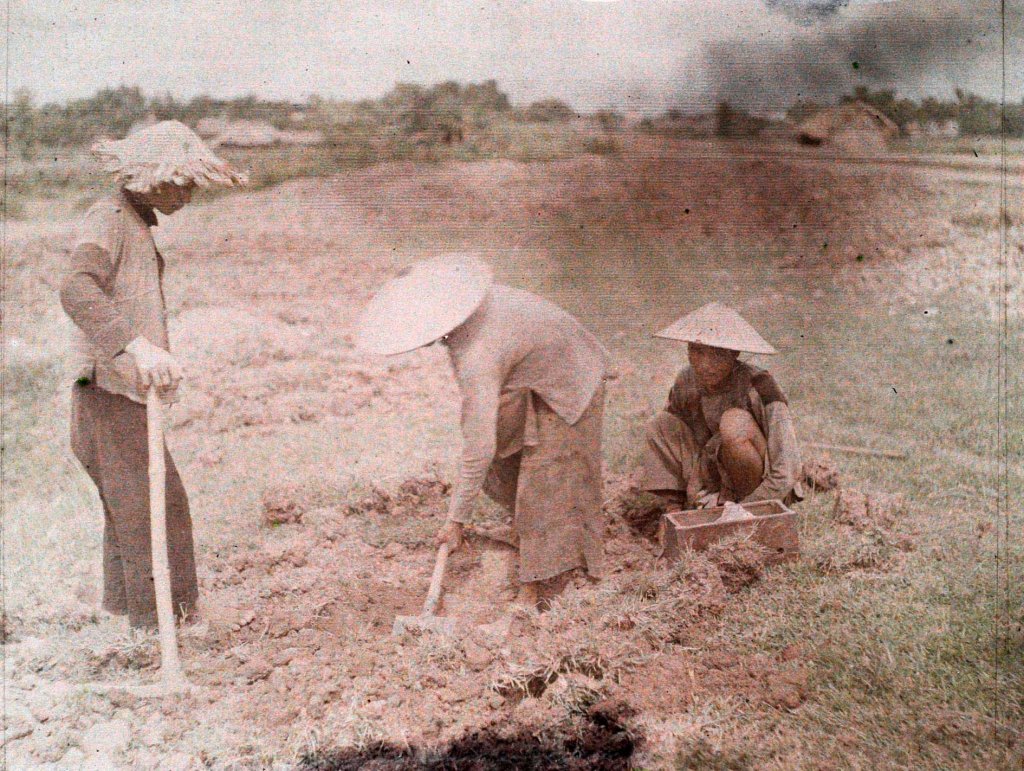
602,146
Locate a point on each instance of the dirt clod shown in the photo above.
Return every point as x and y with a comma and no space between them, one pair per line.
283,505
417,497
740,561
821,473
641,510
864,511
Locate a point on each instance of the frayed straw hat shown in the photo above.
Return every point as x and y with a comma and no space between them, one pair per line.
718,326
166,152
425,302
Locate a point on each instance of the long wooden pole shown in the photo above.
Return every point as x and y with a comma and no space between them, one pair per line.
858,450
170,663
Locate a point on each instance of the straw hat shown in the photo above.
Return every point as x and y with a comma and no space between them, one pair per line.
165,152
425,302
718,326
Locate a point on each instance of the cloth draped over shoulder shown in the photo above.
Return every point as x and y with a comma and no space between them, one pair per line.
754,390
520,361
112,291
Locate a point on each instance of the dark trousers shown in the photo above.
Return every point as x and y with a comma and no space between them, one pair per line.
108,436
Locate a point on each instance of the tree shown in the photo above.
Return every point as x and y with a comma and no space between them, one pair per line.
725,120
549,111
23,123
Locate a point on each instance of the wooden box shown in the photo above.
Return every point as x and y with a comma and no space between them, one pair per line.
773,526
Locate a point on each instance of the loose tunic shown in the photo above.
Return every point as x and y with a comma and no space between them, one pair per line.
112,291
684,440
531,378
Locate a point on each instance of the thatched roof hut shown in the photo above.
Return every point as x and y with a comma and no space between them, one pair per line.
247,133
854,125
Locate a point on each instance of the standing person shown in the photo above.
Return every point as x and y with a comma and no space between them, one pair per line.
532,384
726,433
113,292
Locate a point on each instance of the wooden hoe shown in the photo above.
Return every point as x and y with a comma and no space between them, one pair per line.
427,621
172,677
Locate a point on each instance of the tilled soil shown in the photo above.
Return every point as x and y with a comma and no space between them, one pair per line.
304,563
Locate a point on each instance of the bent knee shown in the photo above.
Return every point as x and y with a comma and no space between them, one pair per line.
738,426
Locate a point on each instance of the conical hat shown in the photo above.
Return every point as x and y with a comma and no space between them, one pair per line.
168,151
426,302
718,326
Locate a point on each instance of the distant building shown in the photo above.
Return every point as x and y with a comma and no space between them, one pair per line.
247,133
943,128
296,137
853,126
146,122
220,132
208,128
946,129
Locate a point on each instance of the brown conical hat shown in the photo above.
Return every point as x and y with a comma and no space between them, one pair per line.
425,302
719,326
166,152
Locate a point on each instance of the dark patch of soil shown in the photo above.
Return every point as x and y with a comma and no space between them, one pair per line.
642,511
600,742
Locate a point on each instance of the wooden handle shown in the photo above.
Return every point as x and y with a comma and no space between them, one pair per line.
859,450
170,664
434,593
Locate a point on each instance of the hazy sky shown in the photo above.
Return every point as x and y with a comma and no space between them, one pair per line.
641,54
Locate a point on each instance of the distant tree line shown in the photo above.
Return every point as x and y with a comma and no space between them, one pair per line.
975,115
441,112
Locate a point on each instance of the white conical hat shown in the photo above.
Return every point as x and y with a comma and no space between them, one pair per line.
718,326
168,151
425,302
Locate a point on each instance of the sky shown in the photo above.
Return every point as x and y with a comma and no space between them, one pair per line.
645,55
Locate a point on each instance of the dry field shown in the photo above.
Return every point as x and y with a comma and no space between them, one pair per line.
317,477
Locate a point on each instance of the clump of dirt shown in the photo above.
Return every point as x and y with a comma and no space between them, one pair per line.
640,510
419,497
740,560
821,473
8,625
599,739
134,655
864,537
283,505
854,551
604,630
867,511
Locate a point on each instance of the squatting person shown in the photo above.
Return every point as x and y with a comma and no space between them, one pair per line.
726,433
113,292
532,384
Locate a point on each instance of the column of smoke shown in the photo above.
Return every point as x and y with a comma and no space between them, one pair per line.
825,48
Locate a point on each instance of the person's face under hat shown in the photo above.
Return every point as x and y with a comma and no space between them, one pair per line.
168,197
711,366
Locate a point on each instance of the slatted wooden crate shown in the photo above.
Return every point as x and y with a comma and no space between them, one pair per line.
773,526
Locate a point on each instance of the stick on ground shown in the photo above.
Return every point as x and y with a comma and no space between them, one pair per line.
859,450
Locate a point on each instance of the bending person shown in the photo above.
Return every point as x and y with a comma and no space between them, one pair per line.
726,433
532,384
114,294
